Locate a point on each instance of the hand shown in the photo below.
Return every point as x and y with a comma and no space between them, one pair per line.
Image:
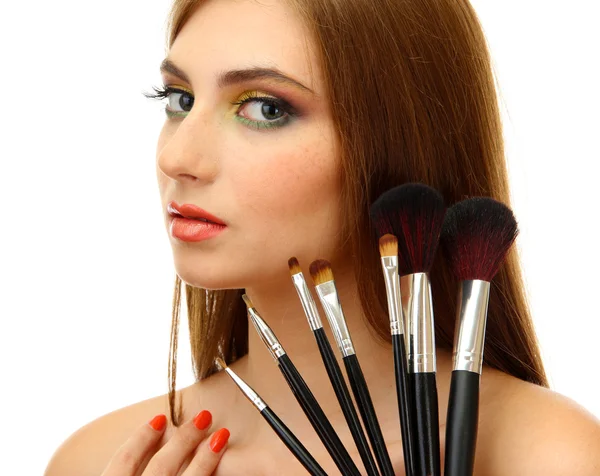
169,459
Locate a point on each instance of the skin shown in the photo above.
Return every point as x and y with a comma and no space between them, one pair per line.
277,189
278,192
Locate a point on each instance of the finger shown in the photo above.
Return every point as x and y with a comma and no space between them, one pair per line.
169,459
208,455
126,461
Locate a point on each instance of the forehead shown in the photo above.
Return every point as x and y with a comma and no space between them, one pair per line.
224,35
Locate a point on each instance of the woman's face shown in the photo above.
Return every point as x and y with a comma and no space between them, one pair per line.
268,168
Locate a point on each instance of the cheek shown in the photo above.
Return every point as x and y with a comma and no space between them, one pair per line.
289,185
160,176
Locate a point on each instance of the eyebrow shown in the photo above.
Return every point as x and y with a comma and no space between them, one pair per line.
237,76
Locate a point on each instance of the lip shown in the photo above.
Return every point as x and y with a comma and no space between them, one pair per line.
194,230
188,210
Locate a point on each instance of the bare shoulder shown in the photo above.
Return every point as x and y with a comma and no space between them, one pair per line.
89,449
526,429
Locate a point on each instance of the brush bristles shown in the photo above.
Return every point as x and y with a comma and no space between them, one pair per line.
294,266
414,213
221,363
248,302
388,245
477,235
321,272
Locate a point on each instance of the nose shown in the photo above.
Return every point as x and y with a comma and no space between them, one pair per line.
190,153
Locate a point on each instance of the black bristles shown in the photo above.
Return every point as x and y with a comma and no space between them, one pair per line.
414,213
477,234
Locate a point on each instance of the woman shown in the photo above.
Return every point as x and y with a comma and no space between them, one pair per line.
304,112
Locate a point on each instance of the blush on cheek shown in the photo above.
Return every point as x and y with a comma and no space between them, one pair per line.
287,195
288,183
289,208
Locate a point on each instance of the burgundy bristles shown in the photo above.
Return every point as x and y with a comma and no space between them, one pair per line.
414,213
477,234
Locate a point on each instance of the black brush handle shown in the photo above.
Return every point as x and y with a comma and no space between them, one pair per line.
461,423
427,423
367,412
404,404
343,396
293,444
412,410
317,417
413,420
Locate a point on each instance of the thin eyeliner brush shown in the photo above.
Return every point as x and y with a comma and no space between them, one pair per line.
284,433
416,219
331,365
476,237
322,275
303,395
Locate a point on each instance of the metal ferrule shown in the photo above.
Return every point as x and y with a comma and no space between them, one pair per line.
333,310
469,333
244,387
389,264
308,303
266,334
417,305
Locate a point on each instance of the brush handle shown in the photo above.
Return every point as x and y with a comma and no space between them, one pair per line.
345,400
367,412
413,419
427,423
293,444
317,417
404,403
461,423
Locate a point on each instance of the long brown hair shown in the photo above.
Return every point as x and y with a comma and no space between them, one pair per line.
413,96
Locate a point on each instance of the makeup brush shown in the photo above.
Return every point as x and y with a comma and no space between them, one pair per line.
303,395
415,215
388,249
322,275
284,433
331,365
476,237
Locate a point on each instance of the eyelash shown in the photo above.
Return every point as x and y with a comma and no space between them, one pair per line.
163,92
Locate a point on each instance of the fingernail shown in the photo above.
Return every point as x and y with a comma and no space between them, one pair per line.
158,422
202,420
219,440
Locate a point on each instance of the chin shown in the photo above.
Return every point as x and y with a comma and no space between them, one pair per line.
207,277
202,282
217,274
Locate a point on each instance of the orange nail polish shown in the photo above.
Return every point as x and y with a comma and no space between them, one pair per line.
158,422
203,420
219,440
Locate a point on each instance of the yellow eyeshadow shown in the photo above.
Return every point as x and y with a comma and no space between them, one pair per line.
254,94
181,88
236,103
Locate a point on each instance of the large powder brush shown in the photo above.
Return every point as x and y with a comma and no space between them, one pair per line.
477,235
414,214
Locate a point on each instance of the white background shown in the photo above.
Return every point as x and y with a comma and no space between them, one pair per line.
85,264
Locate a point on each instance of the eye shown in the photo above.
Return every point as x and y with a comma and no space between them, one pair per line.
179,102
259,109
256,110
179,99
